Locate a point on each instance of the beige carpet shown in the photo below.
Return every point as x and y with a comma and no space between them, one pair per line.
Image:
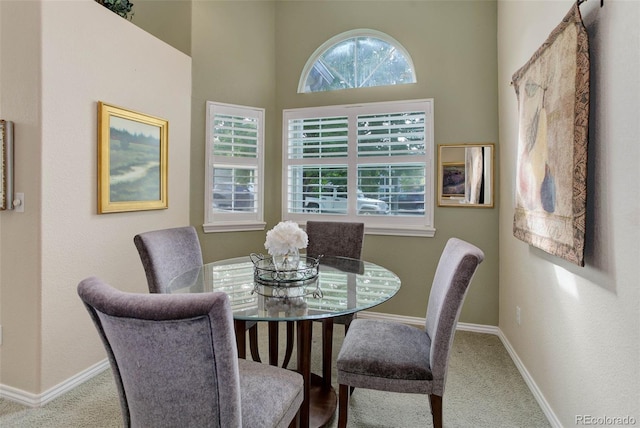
484,389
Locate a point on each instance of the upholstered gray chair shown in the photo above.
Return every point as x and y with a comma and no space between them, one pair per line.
175,362
167,253
333,238
395,357
330,238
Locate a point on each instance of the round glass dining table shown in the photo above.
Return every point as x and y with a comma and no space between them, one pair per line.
331,287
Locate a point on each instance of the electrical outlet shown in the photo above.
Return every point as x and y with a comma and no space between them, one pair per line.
518,319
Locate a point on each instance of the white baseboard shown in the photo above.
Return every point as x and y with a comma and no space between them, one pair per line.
37,400
419,322
537,394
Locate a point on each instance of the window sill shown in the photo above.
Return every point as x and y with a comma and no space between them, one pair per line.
234,226
424,232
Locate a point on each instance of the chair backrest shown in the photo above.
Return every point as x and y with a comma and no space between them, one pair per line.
332,238
167,253
173,356
457,265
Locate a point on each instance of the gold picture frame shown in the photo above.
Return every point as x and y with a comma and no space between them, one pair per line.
132,160
465,175
6,165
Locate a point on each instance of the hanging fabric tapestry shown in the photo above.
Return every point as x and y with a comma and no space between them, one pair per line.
553,103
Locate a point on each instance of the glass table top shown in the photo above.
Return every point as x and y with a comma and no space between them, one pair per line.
342,286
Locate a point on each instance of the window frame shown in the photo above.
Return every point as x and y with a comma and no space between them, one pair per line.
233,221
346,36
397,225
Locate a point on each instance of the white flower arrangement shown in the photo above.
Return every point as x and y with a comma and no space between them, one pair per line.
285,237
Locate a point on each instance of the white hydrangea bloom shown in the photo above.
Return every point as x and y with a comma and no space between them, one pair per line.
286,236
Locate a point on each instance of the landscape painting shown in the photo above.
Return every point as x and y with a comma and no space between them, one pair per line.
133,160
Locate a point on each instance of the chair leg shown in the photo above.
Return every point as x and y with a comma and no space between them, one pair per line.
253,343
290,337
343,405
436,410
240,328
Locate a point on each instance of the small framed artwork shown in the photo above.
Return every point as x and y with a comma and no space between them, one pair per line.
453,179
132,160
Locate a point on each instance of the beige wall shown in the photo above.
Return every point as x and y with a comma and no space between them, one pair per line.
252,53
20,240
453,47
233,53
579,338
58,65
168,20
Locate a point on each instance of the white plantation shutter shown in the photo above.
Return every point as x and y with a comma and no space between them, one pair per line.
318,137
370,162
235,136
234,168
392,134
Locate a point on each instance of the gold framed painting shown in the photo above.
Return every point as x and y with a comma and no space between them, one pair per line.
132,160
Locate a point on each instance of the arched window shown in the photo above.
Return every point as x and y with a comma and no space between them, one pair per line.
357,59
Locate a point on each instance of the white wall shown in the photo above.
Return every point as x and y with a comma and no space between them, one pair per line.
19,239
87,54
580,333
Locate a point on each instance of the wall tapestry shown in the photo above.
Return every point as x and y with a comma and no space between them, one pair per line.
552,89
